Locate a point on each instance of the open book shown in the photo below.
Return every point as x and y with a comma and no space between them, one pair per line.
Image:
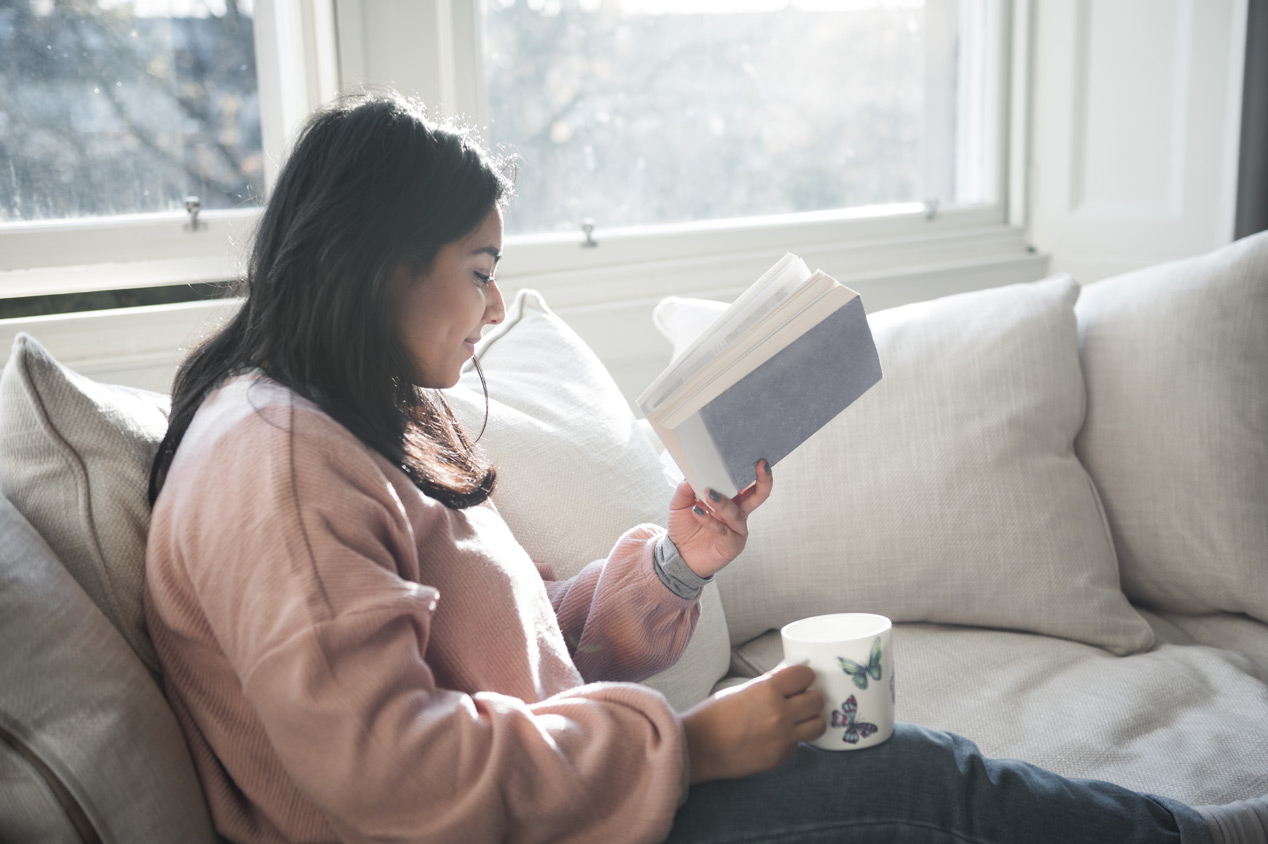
792,352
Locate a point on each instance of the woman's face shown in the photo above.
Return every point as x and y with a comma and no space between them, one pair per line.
439,315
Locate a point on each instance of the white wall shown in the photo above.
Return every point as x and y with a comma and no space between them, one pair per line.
1135,123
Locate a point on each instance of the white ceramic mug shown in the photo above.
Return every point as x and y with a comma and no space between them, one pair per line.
853,660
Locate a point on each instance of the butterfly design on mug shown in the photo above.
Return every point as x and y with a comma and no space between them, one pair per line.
846,717
860,673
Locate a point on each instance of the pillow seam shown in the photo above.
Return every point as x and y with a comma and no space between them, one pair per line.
84,496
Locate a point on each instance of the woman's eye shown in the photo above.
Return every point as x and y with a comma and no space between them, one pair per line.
484,279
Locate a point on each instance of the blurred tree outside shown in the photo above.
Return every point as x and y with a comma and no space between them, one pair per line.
727,109
631,112
619,110
127,106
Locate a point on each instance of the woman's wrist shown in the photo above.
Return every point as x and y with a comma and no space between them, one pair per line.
674,572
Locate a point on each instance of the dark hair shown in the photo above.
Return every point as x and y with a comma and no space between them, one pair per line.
371,183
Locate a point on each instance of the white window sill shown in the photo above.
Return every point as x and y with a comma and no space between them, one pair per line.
606,293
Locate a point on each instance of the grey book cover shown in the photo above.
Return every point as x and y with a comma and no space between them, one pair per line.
803,387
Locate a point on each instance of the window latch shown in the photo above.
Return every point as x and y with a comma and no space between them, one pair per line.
193,205
587,226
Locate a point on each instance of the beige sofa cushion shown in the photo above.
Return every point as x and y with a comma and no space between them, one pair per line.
574,469
88,745
1176,438
949,492
75,460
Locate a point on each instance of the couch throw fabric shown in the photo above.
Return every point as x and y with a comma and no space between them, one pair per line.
1176,362
89,750
75,460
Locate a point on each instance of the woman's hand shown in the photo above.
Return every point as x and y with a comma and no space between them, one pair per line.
753,727
711,534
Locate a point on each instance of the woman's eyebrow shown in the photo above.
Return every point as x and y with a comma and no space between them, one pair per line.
490,251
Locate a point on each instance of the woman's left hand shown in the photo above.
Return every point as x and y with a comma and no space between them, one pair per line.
711,534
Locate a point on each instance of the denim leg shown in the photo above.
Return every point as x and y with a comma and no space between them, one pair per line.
924,786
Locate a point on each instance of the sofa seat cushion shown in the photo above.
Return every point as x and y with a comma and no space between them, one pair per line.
574,469
88,745
949,492
1183,721
1225,631
1176,438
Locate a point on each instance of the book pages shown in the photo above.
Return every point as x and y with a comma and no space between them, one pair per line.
792,352
743,358
783,402
775,285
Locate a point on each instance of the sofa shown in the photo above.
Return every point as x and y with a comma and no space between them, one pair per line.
1058,493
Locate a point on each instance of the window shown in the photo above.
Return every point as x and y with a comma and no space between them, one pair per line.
650,112
714,131
137,137
118,107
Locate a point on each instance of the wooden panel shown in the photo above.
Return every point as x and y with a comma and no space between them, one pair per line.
1135,109
1128,129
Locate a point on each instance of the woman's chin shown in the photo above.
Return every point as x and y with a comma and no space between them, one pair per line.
438,382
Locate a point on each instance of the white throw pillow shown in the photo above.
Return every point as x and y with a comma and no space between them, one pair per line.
1176,438
574,469
75,460
949,492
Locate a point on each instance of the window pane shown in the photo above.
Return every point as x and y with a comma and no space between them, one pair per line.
658,111
126,106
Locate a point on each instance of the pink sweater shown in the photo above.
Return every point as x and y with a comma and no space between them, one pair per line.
352,661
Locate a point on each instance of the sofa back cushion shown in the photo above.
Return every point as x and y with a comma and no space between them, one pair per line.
949,492
89,750
575,471
75,459
1176,438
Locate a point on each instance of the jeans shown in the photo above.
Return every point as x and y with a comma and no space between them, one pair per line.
924,786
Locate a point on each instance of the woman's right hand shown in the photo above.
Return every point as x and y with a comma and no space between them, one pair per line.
755,726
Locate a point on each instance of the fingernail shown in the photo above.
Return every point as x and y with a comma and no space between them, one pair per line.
698,510
713,496
765,465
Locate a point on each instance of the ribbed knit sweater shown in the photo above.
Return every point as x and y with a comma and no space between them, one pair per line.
352,661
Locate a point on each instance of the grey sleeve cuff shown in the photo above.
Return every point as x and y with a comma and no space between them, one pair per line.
676,574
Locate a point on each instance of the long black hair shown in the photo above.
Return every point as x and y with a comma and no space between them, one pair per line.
370,183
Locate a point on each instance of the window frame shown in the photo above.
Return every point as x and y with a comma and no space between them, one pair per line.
297,70
308,50
445,68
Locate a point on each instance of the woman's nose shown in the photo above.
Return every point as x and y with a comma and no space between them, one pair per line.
495,311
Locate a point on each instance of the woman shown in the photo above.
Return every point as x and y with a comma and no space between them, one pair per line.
356,647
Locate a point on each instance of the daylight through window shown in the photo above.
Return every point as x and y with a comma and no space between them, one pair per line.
112,107
637,112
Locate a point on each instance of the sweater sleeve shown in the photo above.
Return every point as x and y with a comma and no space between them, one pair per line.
620,620
295,564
